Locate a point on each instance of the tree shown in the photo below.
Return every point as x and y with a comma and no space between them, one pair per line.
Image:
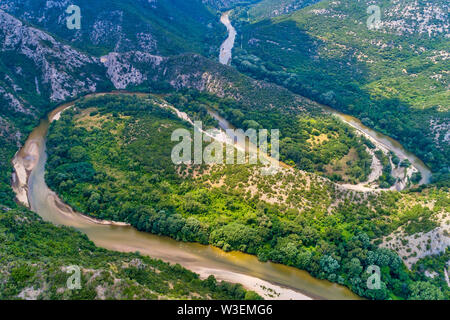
353,267
422,290
329,264
77,154
251,295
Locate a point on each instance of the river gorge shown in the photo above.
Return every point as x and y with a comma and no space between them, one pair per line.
270,280
381,141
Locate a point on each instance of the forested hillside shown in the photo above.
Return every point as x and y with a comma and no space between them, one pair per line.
158,27
227,4
109,158
272,8
35,257
393,78
37,70
309,140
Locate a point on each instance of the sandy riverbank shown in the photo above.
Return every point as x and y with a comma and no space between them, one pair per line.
265,289
29,165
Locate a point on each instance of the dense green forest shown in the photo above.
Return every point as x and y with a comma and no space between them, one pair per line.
34,254
309,141
165,28
109,157
393,83
7,149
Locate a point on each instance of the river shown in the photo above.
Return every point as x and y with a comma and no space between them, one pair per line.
380,140
288,282
387,142
32,191
227,46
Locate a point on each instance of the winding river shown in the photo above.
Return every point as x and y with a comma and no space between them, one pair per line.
227,46
31,189
380,140
287,282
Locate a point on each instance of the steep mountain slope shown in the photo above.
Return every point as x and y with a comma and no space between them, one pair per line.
272,8
56,72
227,4
156,26
393,78
136,70
60,72
36,71
39,69
35,68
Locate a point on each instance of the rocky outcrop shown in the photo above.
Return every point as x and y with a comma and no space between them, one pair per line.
131,68
62,70
423,17
412,247
152,26
192,71
400,17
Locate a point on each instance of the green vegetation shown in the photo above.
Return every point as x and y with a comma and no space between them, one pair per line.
270,8
36,255
393,83
309,141
438,265
386,180
163,27
6,153
109,157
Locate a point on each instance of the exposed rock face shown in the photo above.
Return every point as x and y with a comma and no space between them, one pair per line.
411,248
152,26
192,71
61,72
9,133
11,102
424,17
37,70
270,8
103,28
123,68
441,132
64,71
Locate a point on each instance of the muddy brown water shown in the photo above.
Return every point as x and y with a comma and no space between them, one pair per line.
388,142
288,282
